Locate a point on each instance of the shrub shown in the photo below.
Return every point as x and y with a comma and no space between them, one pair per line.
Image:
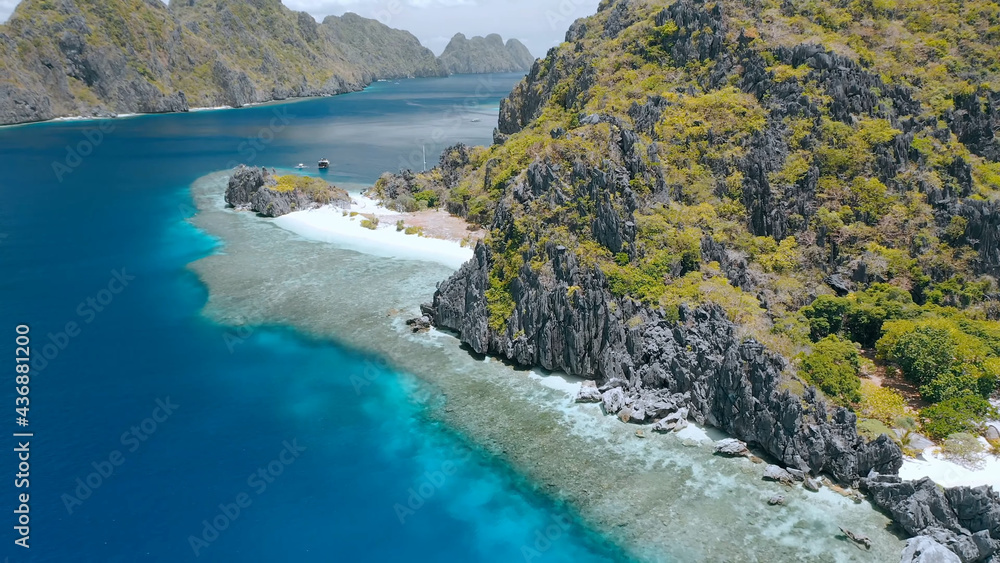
960,414
400,225
881,403
965,449
370,223
833,366
419,231
825,315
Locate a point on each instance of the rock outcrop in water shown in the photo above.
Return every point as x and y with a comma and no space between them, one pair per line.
485,54
79,57
260,191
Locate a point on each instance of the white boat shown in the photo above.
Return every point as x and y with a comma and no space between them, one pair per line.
301,166
324,164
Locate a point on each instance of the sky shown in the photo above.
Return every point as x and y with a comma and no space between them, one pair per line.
539,24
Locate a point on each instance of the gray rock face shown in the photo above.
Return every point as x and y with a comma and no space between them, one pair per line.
251,189
923,549
965,520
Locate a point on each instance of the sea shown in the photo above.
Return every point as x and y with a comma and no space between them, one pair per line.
206,386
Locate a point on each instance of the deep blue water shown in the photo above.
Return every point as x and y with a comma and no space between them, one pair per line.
73,230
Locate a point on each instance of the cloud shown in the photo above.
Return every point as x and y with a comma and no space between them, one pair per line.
540,24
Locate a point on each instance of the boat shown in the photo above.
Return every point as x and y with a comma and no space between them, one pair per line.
324,164
301,166
476,120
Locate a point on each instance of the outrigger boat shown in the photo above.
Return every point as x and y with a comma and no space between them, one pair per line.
324,164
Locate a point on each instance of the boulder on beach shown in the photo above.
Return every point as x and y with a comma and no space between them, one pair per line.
811,485
731,447
613,400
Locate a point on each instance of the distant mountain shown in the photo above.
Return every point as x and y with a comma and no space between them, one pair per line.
485,54
103,57
381,50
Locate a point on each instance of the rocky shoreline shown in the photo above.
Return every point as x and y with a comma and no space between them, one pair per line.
653,371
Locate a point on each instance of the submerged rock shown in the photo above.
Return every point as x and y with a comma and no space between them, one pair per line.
775,473
776,500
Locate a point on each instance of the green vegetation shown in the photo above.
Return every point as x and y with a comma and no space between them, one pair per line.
881,403
833,367
961,414
317,189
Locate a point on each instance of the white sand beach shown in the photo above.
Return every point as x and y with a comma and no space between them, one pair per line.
331,224
950,474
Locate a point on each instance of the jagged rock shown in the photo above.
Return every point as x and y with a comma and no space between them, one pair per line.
731,447
776,500
965,520
588,393
811,485
923,549
776,473
613,400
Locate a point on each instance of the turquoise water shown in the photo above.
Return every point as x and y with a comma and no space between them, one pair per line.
160,435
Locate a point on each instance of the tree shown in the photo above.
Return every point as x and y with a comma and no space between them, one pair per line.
826,316
960,414
833,366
